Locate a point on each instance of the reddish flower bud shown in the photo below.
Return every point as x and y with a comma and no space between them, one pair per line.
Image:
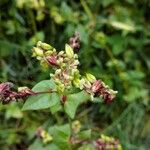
106,94
63,99
74,41
5,87
52,60
96,86
7,95
102,144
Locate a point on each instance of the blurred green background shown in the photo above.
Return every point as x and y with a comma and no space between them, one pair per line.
115,39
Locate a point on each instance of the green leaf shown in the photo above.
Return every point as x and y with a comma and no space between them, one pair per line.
56,107
73,101
7,48
13,111
61,135
117,43
42,101
122,26
38,145
87,147
83,135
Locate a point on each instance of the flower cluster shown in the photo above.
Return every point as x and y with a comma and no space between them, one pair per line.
66,75
97,88
63,63
74,41
44,135
7,95
76,126
107,143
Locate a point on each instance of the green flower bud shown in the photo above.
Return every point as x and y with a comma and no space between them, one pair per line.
92,97
74,72
51,75
76,62
66,59
76,82
48,53
70,78
68,87
61,88
33,54
57,81
63,65
54,50
81,83
119,147
44,64
60,61
90,77
44,46
39,58
105,138
39,44
75,56
58,71
37,51
69,51
76,126
22,88
60,53
46,137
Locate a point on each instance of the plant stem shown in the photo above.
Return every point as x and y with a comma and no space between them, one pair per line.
70,124
87,9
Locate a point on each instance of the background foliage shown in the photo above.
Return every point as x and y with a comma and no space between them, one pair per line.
115,37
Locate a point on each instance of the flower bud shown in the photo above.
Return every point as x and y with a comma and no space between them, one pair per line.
44,46
75,56
33,54
51,75
39,44
76,82
68,87
61,88
44,135
76,62
52,60
90,77
48,53
44,64
57,81
20,89
54,50
63,65
58,71
60,53
37,51
69,51
39,58
59,61
6,86
70,78
74,72
81,84
96,86
76,126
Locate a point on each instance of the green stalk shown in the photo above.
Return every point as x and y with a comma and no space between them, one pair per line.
70,125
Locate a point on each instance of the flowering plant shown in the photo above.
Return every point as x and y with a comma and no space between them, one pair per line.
65,91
